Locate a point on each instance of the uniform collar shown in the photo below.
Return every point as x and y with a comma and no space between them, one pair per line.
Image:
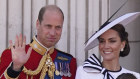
39,48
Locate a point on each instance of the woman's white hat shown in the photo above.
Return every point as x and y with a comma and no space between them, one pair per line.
124,20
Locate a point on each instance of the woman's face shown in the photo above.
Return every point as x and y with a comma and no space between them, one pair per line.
110,45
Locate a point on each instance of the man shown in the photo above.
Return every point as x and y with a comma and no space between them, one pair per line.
39,59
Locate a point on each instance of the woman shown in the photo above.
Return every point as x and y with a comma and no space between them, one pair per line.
113,44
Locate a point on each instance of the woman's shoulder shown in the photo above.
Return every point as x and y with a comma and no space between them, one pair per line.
132,72
80,70
129,71
82,74
86,70
80,67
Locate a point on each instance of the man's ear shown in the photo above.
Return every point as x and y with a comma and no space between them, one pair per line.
37,24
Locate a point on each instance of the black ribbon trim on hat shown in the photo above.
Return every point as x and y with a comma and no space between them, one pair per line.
94,63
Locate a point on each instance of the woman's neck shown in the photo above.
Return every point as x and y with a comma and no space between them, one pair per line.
111,65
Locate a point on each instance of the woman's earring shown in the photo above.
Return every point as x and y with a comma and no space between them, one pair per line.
122,49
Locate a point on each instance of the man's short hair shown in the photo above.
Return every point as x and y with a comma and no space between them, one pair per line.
51,8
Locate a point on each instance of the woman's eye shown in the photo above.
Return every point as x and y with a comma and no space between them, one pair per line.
101,41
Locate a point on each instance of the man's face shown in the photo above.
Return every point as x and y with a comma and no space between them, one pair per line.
50,29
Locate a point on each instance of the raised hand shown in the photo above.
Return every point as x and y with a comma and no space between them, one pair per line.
19,55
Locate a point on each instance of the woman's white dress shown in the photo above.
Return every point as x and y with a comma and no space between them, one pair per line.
93,69
81,74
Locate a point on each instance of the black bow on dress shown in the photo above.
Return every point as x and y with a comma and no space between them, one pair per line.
94,63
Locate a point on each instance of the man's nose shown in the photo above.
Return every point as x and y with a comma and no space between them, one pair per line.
52,32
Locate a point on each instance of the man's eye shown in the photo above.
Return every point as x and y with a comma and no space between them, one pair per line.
113,41
48,26
58,27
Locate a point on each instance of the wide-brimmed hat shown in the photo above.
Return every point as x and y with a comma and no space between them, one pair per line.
124,20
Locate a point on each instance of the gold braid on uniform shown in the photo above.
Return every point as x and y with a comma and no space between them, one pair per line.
46,65
35,72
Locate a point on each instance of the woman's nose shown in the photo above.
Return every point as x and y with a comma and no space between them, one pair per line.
106,45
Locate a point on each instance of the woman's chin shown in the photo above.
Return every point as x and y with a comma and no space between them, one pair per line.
108,57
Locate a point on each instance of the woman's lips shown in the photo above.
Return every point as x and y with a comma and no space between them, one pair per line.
107,52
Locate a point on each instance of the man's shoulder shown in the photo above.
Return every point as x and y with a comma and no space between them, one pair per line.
64,53
6,51
6,54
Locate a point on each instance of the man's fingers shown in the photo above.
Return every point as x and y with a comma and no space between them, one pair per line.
24,41
20,40
11,44
16,41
